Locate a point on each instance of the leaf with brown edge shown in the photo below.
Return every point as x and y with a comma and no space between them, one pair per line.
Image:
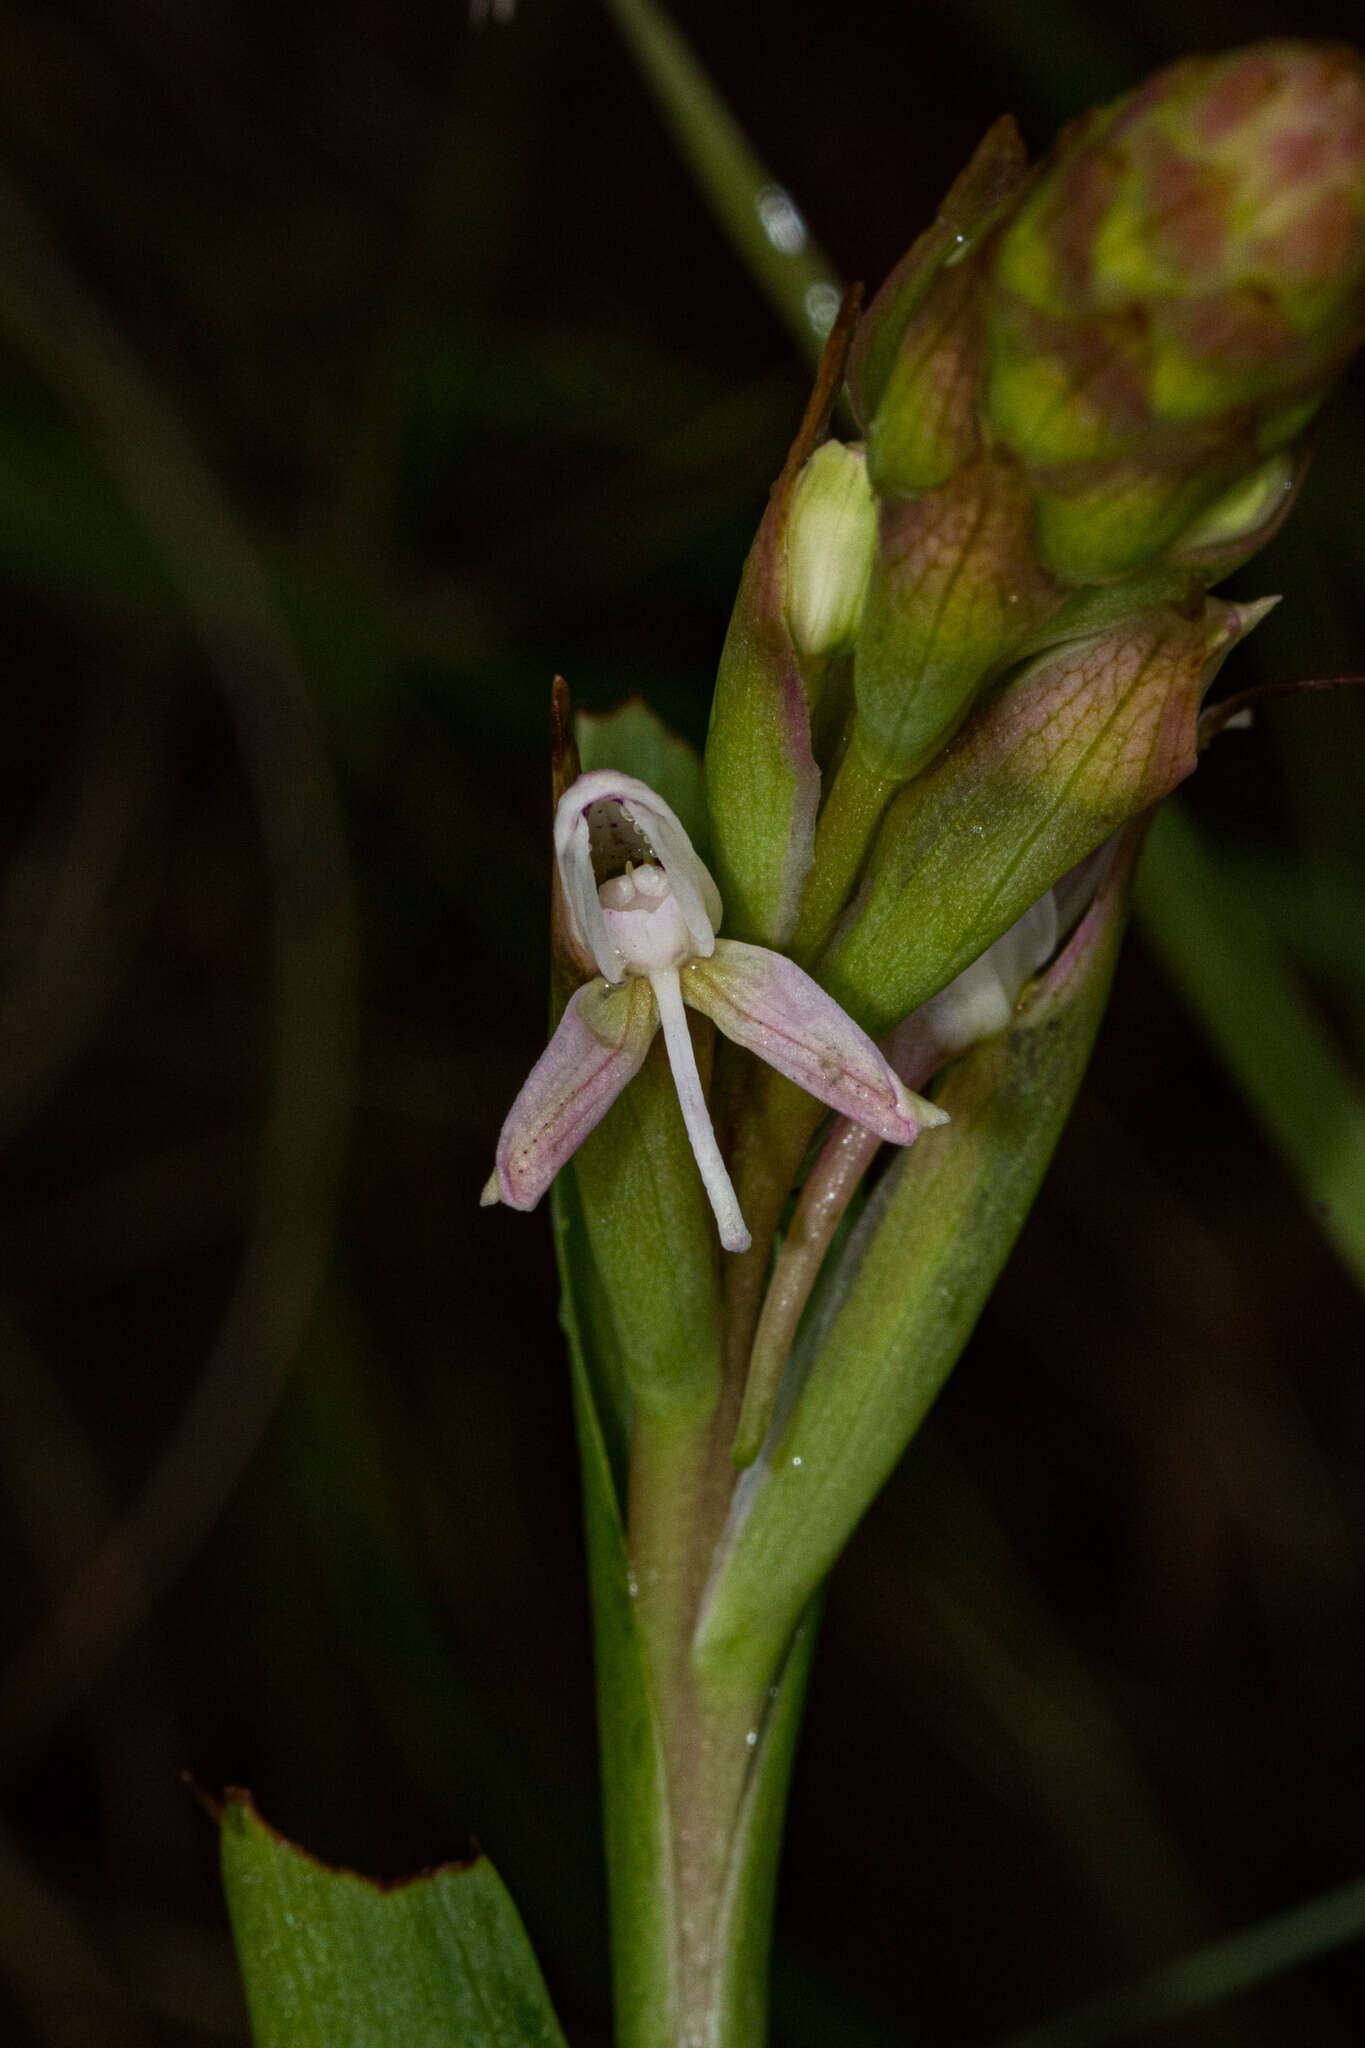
333,1960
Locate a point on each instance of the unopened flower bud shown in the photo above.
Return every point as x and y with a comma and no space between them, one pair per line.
831,540
1174,296
1106,383
981,1000
1249,510
1077,741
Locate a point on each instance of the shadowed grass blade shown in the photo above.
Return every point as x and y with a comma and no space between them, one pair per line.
1221,954
1222,1970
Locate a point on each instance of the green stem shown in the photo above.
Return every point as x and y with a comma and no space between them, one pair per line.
764,227
849,819
668,1501
725,1749
714,1744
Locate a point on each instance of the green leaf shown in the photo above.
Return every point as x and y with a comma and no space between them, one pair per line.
634,1787
332,1960
917,1273
762,779
762,782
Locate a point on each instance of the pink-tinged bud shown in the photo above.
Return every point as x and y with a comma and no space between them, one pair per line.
979,197
955,590
1175,295
1241,217
1077,742
1086,377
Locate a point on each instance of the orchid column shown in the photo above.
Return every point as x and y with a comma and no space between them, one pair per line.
967,658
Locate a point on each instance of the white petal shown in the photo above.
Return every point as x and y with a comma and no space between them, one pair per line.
692,884
697,895
981,1000
573,851
765,1002
601,1042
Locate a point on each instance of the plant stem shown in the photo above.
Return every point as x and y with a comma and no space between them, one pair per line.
681,1482
764,228
830,1186
724,1777
847,1154
848,820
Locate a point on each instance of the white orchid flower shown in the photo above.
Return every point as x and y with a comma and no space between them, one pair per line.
641,904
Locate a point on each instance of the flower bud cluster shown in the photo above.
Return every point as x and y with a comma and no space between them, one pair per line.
971,643
1174,296
1106,374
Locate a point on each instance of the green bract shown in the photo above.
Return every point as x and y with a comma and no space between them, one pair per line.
1067,750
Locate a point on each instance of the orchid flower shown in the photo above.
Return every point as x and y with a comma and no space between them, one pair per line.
642,907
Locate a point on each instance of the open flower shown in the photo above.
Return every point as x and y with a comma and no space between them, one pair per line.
642,907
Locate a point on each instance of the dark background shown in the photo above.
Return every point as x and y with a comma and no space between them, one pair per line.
361,368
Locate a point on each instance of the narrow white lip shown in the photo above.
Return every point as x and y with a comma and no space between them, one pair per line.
734,1234
695,892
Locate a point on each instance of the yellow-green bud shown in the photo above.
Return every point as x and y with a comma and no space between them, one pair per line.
831,540
1247,509
1173,298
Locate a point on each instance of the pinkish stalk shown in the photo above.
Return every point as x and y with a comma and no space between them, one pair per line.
830,1186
